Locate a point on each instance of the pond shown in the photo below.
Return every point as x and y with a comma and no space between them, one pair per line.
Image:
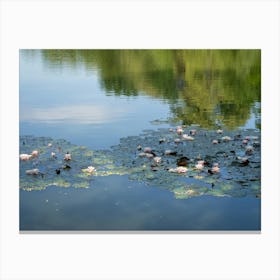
158,140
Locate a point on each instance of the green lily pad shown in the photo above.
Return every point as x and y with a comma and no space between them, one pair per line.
235,178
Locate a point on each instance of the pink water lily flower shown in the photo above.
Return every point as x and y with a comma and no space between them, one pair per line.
35,153
25,157
147,150
215,168
179,130
200,165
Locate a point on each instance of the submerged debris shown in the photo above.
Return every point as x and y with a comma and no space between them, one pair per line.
233,168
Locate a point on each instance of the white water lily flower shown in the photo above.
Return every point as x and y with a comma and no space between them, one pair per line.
157,159
148,155
219,131
32,171
179,169
187,137
200,165
226,138
25,157
89,169
249,150
67,156
142,154
169,152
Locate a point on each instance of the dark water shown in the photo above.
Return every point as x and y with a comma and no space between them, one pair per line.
94,98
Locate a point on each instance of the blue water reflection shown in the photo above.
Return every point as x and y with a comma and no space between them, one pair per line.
114,203
70,104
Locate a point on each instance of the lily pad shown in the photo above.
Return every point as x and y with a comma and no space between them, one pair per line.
232,178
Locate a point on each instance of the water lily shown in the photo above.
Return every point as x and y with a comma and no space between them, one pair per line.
170,153
25,157
219,131
53,155
249,150
147,150
32,171
148,155
187,137
67,156
215,168
200,165
179,169
226,138
215,141
89,169
35,153
142,154
157,159
193,132
179,130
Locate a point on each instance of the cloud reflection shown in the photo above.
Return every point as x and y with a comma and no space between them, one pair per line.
84,114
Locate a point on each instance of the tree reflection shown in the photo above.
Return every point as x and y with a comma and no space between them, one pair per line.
206,87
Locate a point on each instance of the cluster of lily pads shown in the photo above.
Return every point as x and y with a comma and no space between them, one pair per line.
188,161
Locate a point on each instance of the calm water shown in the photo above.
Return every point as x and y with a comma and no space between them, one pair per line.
94,98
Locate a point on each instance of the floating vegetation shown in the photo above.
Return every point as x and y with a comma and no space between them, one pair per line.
186,168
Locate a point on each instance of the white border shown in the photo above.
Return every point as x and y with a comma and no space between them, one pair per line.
153,24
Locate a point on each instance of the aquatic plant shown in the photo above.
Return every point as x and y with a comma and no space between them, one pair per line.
228,168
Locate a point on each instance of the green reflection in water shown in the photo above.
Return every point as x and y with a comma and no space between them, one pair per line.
204,87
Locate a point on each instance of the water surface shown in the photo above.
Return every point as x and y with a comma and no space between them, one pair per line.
95,98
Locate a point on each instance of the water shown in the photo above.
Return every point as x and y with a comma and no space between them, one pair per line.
121,205
95,98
